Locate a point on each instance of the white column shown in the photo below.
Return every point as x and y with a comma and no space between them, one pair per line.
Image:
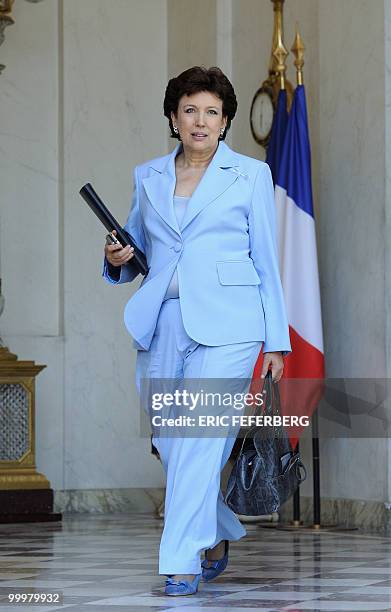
387,200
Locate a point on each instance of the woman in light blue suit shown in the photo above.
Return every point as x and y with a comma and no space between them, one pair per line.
204,216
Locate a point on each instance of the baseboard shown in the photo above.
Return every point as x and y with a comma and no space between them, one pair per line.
367,516
108,500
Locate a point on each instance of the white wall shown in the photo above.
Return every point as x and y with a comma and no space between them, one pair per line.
114,83
351,222
387,200
30,215
82,94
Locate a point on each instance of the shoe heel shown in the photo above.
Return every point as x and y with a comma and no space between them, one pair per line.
217,567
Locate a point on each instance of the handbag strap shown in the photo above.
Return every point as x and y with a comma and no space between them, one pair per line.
301,466
268,388
273,406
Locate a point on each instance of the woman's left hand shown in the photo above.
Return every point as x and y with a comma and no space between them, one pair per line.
276,362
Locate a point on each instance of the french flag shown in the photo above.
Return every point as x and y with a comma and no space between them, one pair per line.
289,158
299,265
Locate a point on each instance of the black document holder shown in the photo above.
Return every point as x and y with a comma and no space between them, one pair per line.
88,193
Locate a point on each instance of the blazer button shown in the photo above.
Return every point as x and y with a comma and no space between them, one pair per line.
177,247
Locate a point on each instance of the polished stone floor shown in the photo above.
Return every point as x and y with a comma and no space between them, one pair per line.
109,562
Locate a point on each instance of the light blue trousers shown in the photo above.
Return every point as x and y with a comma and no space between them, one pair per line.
195,515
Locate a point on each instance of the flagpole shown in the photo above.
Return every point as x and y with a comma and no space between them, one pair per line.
280,54
315,469
278,64
298,49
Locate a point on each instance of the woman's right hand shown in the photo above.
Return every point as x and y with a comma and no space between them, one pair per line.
118,255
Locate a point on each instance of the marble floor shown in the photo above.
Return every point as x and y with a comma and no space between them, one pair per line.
109,563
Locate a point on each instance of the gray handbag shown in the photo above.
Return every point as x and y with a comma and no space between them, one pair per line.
267,471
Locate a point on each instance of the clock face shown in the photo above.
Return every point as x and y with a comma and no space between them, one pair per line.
261,117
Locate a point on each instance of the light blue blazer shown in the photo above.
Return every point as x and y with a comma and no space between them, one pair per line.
225,254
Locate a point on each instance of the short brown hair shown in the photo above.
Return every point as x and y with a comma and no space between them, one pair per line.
198,79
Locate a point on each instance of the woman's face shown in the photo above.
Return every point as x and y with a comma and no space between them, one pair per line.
199,121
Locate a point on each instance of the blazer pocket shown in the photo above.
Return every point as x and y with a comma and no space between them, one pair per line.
237,273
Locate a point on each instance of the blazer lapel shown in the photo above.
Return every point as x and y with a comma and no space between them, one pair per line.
218,177
160,189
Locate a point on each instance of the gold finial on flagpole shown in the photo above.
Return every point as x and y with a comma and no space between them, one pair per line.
277,65
278,31
298,49
280,53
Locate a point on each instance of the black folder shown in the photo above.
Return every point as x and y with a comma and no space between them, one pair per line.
88,193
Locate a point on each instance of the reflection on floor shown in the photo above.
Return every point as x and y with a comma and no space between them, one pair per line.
109,562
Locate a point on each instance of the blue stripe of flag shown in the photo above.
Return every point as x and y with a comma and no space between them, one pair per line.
294,172
276,142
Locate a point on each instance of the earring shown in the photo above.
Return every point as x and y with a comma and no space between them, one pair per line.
175,129
222,131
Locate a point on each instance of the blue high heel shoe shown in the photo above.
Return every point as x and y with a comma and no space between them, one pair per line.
212,569
182,587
